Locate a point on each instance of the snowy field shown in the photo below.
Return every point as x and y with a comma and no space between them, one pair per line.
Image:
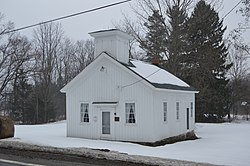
222,144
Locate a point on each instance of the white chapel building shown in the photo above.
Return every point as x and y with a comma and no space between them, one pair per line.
117,98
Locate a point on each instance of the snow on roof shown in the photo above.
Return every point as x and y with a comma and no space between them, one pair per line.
155,74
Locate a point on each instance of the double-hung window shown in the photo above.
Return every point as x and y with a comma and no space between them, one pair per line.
165,111
85,112
177,110
130,112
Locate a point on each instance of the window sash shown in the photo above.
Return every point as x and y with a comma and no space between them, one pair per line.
85,112
191,109
130,112
165,111
177,110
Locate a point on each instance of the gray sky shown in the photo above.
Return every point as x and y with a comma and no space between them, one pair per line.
26,12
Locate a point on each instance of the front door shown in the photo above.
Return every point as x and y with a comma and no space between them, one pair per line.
187,118
105,123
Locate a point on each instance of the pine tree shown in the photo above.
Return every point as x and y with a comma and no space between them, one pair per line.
168,41
207,60
177,38
20,98
156,37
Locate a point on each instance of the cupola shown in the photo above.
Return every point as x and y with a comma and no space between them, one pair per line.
114,42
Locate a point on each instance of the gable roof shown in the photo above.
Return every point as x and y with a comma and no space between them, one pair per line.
151,74
157,76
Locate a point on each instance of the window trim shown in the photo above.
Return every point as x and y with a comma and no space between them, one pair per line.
82,113
127,114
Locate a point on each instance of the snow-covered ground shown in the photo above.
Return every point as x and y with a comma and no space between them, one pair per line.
223,144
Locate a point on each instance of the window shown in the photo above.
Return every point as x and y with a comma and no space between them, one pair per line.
130,112
191,109
177,110
85,112
165,111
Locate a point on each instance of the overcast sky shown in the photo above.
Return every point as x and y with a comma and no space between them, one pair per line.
26,12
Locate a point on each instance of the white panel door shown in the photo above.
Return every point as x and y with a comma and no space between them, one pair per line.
105,123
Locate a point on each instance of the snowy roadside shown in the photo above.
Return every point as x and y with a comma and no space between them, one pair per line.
220,144
99,154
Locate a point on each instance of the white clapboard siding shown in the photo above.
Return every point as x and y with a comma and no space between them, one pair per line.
172,126
107,84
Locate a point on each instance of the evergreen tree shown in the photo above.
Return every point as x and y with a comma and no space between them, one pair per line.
156,37
177,38
168,41
206,61
35,113
20,97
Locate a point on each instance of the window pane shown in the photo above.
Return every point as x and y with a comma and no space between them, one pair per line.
130,112
84,112
177,110
165,111
105,122
192,107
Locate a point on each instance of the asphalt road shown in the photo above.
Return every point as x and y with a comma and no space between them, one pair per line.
14,157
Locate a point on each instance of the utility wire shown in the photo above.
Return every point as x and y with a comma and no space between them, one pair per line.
231,9
141,79
67,16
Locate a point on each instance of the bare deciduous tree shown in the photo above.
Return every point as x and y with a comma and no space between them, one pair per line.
47,39
245,9
74,58
14,56
84,53
238,55
13,53
66,62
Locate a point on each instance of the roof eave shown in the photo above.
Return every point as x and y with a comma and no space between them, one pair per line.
158,86
177,90
173,87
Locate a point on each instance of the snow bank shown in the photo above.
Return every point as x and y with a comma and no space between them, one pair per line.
223,144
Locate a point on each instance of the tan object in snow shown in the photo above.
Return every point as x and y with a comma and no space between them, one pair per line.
6,127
